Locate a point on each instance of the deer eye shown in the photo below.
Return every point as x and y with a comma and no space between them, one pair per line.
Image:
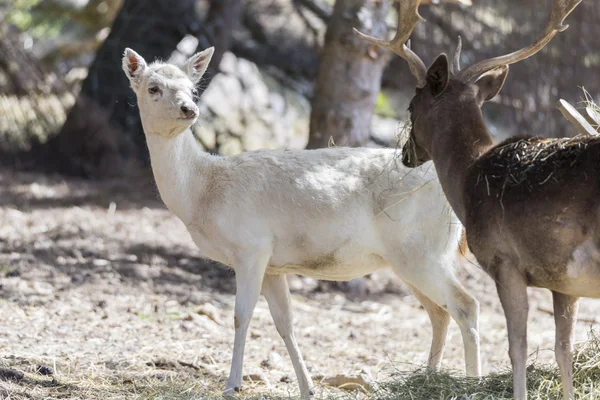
153,90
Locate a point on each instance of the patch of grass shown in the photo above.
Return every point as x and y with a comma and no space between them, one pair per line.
8,271
424,384
159,384
543,382
144,317
383,108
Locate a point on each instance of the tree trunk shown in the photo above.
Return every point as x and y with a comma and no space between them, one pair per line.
349,76
103,129
103,133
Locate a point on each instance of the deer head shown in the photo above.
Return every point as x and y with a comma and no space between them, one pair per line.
166,94
444,97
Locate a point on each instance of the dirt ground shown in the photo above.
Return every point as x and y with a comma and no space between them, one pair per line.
100,283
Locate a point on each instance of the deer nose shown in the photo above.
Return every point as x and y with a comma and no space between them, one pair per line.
189,111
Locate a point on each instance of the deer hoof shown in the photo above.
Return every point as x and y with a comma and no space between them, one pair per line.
229,393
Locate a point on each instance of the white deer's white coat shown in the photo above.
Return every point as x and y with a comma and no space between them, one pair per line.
331,214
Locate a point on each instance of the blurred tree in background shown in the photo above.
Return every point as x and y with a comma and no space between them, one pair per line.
103,130
57,53
526,104
349,76
39,40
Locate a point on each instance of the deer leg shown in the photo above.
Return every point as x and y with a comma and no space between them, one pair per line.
248,276
275,289
464,309
440,319
565,316
512,290
445,291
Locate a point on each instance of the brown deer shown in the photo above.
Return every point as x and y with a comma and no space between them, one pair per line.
531,206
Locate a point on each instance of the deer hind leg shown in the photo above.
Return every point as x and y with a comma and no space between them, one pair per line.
464,309
512,290
565,316
249,275
275,289
440,286
440,319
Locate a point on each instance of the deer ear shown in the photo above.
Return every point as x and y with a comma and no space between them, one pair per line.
134,66
491,82
197,64
438,75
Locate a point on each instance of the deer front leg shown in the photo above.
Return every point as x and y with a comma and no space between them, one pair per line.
565,316
275,289
512,290
248,277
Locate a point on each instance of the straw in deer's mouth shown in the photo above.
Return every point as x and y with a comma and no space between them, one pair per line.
405,141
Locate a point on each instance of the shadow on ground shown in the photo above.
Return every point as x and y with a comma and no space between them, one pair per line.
69,233
28,191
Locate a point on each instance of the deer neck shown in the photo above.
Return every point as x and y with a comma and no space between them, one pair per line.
453,151
180,170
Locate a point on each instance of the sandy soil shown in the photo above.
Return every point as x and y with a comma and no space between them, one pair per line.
103,285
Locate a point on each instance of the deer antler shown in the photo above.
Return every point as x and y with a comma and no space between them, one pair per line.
456,60
408,18
560,10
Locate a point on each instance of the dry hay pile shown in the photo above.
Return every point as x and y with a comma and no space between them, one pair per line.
543,382
594,109
532,161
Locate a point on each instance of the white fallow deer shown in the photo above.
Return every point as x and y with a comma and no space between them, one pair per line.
333,214
530,206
